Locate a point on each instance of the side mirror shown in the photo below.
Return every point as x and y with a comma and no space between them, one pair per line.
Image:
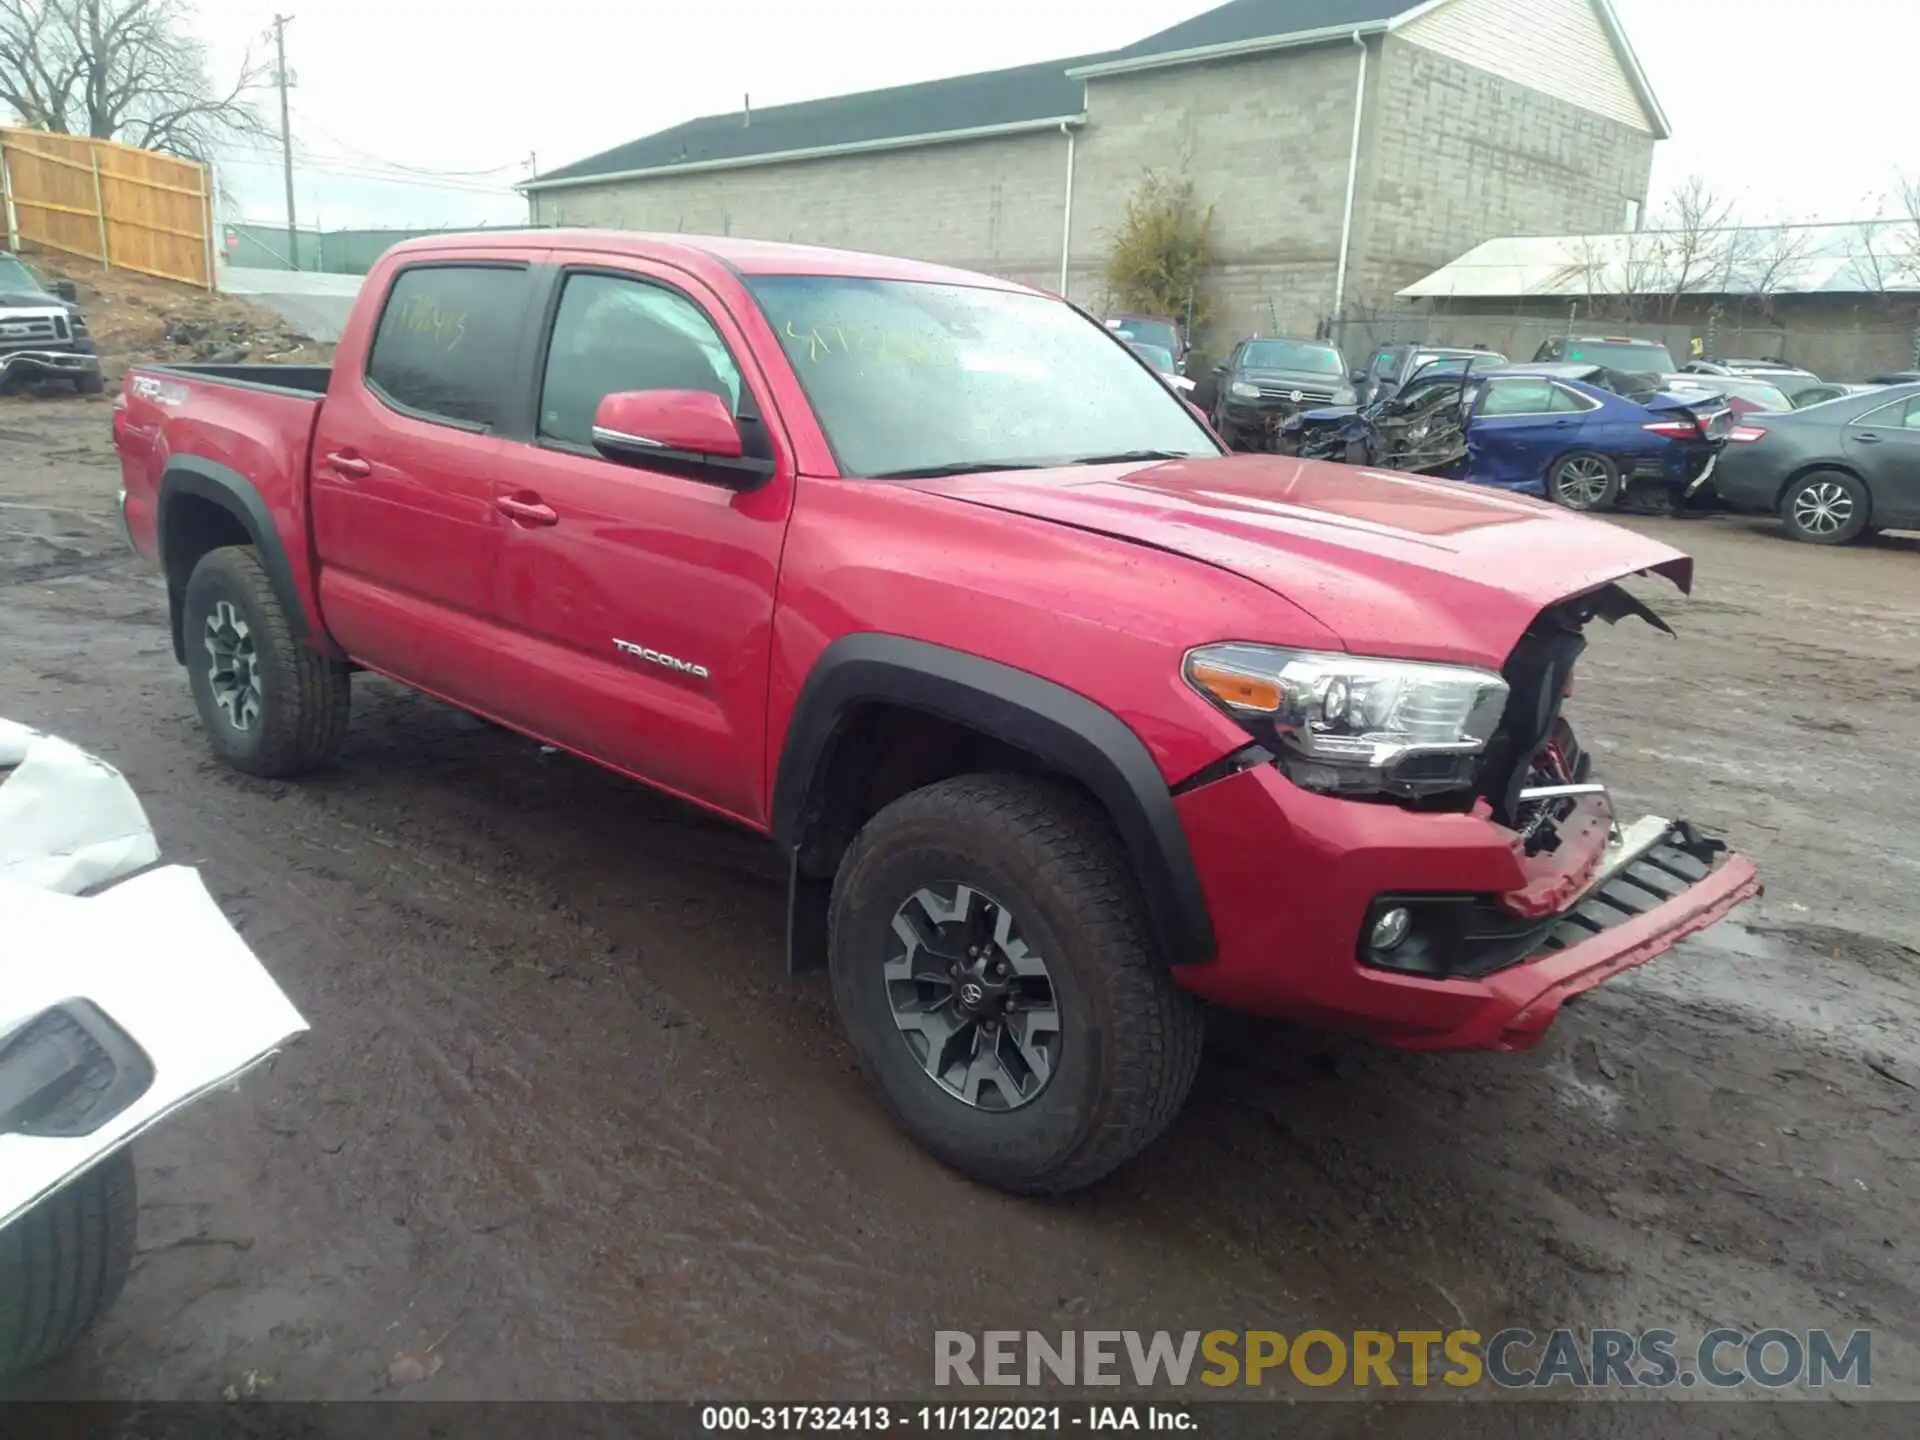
65,290
675,427
1356,377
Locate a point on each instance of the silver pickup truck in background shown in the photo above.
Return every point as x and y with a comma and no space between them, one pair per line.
43,335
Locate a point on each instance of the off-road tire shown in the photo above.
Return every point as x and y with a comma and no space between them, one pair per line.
90,385
1857,523
1130,1039
1605,500
63,1263
305,697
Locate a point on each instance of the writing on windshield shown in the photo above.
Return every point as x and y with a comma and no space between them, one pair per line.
911,378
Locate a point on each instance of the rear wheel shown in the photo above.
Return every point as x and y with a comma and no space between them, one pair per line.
271,706
1828,507
1584,481
91,384
989,959
63,1263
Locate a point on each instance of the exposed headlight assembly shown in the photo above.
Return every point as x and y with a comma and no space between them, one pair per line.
1350,724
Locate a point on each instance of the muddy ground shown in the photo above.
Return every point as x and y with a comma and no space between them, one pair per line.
564,1126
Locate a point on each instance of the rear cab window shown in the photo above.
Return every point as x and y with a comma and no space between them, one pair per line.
448,340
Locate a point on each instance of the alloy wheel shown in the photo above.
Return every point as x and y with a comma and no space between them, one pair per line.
971,1000
1582,481
1823,508
233,671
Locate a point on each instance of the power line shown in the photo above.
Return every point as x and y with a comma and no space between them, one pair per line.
354,172
380,161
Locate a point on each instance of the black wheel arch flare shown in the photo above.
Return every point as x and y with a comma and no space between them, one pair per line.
1065,731
227,488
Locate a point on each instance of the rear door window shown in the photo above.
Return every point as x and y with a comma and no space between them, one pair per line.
1564,402
1901,415
448,342
1517,397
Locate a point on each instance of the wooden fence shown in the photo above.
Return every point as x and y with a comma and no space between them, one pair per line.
127,209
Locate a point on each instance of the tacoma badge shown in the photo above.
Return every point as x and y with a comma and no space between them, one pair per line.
670,662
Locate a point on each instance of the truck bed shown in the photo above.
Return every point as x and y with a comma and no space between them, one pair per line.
303,379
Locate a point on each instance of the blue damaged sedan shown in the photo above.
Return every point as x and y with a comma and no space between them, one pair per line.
1589,438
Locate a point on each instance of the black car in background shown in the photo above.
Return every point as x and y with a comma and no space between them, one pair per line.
1831,472
1266,381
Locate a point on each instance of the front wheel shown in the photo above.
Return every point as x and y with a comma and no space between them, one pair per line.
63,1263
1828,507
1584,481
990,961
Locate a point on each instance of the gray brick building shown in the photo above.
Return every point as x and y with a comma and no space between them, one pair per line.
1349,147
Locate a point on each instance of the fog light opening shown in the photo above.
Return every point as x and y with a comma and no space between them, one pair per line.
1390,929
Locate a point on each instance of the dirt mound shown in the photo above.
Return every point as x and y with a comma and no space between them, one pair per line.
138,318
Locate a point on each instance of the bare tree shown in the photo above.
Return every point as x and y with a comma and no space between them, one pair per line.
127,70
1906,246
1777,256
1699,249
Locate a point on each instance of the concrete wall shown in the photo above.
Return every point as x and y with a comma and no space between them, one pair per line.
1838,337
990,205
1558,47
1265,139
1456,155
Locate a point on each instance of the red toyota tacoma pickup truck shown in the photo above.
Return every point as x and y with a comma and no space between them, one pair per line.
1066,720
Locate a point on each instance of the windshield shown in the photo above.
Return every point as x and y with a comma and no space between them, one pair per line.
1158,356
1293,355
17,279
910,378
1637,358
1147,332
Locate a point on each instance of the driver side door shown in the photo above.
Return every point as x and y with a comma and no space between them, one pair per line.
637,597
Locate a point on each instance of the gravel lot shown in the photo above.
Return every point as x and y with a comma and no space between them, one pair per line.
564,1122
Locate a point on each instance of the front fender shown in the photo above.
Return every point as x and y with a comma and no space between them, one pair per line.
1065,731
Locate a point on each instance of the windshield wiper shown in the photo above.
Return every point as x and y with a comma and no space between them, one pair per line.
957,467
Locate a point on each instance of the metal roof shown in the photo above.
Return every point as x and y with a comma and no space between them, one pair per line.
1241,22
1860,257
994,102
1004,102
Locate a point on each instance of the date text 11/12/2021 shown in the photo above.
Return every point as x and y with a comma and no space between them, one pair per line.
943,1419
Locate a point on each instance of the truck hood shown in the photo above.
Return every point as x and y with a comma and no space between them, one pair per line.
1393,564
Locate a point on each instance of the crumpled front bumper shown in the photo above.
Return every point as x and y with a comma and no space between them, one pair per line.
1292,880
1660,882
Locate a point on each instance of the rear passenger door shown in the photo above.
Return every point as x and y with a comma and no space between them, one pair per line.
1515,431
404,460
640,613
1884,445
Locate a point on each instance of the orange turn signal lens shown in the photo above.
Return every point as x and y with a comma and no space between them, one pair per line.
1243,692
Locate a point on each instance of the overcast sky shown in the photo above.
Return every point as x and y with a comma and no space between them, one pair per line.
1794,109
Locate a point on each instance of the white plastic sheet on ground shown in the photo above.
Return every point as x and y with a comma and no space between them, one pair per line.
68,821
153,952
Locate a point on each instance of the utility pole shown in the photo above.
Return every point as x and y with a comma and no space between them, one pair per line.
280,23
